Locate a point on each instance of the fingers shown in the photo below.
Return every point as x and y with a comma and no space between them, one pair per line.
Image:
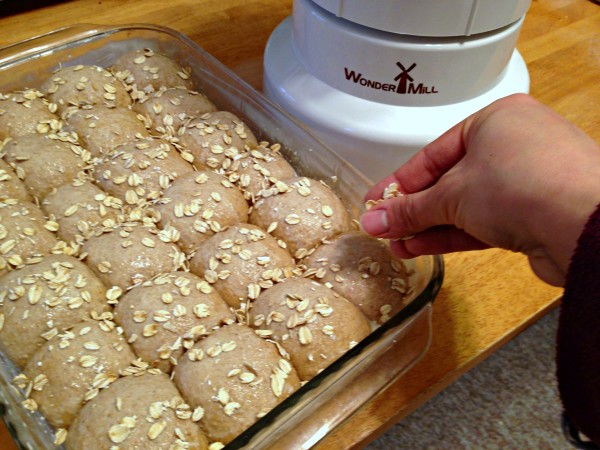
427,166
410,214
438,240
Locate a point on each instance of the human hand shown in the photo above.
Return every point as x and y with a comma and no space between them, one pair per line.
514,175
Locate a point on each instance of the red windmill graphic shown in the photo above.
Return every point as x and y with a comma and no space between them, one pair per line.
403,78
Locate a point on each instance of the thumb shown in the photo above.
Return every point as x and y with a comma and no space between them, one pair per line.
409,214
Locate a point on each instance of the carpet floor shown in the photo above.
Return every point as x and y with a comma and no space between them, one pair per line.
509,401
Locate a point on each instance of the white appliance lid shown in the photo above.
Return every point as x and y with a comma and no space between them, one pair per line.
429,17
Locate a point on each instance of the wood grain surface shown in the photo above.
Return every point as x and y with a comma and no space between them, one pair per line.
488,297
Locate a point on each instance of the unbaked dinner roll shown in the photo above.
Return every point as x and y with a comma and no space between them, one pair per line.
101,129
362,269
260,169
145,71
81,85
27,112
139,171
46,161
130,254
302,212
167,109
41,300
199,204
144,411
72,367
241,261
314,324
235,378
24,234
216,139
165,316
81,209
10,184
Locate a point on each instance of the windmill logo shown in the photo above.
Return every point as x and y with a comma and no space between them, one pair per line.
403,78
404,83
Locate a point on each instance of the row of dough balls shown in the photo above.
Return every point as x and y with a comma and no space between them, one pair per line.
126,252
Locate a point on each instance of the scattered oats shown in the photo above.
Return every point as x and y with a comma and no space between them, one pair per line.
304,335
30,404
198,414
253,291
214,351
131,197
156,429
264,333
201,310
328,330
139,316
91,345
304,191
216,446
228,346
278,383
385,309
223,396
104,267
230,408
150,330
88,361
327,210
118,433
247,377
34,294
292,219
272,227
70,210
195,354
161,316
60,436
179,311
275,316
187,156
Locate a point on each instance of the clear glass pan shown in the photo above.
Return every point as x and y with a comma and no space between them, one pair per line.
364,372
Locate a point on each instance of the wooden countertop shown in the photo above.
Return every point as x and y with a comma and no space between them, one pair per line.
488,297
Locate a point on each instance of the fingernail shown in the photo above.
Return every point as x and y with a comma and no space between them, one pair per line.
375,222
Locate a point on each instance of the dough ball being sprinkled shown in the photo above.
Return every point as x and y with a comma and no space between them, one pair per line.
302,212
362,269
240,262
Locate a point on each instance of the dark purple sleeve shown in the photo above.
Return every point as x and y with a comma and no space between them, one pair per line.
578,340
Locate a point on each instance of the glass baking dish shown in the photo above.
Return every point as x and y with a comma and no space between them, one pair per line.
330,398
